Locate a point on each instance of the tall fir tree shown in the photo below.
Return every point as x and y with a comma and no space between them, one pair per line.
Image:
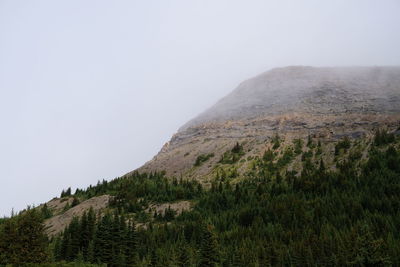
208,252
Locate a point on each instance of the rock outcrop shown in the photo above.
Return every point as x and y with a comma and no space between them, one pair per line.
327,103
57,224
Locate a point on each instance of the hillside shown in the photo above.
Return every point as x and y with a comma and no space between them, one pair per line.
295,102
298,166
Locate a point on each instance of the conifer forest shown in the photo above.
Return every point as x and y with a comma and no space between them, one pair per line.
347,214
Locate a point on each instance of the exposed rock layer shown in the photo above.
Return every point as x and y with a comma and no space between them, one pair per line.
57,224
327,103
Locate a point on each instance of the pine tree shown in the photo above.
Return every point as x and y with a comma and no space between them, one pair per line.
9,242
57,249
103,245
309,141
237,259
46,212
132,246
75,202
368,251
23,240
75,239
237,148
153,259
90,252
208,251
321,166
183,256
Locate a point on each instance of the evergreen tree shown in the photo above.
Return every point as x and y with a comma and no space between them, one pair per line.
9,242
132,245
103,239
75,202
208,251
183,256
23,240
46,212
154,259
90,252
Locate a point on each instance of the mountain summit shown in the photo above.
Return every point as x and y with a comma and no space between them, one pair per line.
309,90
325,102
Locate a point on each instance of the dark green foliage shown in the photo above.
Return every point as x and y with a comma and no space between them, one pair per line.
319,148
132,193
366,249
169,214
183,256
75,202
66,207
111,239
66,193
63,264
232,156
268,155
382,137
320,217
344,144
276,141
310,142
203,158
286,157
154,261
208,252
166,216
306,155
46,212
22,239
237,148
298,146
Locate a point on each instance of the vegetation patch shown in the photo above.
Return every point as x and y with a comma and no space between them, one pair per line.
202,158
271,217
342,146
298,146
232,156
382,137
276,141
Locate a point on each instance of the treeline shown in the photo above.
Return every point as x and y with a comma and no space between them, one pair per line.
348,216
150,186
114,240
318,217
109,239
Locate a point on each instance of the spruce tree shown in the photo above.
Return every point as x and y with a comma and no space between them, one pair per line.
132,257
183,256
208,251
9,242
46,212
23,240
153,259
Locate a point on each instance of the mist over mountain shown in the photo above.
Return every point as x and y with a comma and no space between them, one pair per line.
328,90
294,101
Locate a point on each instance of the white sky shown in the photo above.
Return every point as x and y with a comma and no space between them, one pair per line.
92,89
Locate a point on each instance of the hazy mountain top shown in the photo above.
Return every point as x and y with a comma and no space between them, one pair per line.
320,90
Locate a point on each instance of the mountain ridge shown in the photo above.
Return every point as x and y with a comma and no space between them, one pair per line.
264,91
325,102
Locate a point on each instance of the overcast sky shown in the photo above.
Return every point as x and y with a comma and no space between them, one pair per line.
93,89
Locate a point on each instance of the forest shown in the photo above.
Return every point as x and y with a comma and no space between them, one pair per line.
342,215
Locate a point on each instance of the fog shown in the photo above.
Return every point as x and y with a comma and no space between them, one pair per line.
93,89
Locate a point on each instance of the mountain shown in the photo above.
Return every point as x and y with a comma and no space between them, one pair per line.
298,166
297,101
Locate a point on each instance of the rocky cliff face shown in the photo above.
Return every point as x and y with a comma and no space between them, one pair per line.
294,102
